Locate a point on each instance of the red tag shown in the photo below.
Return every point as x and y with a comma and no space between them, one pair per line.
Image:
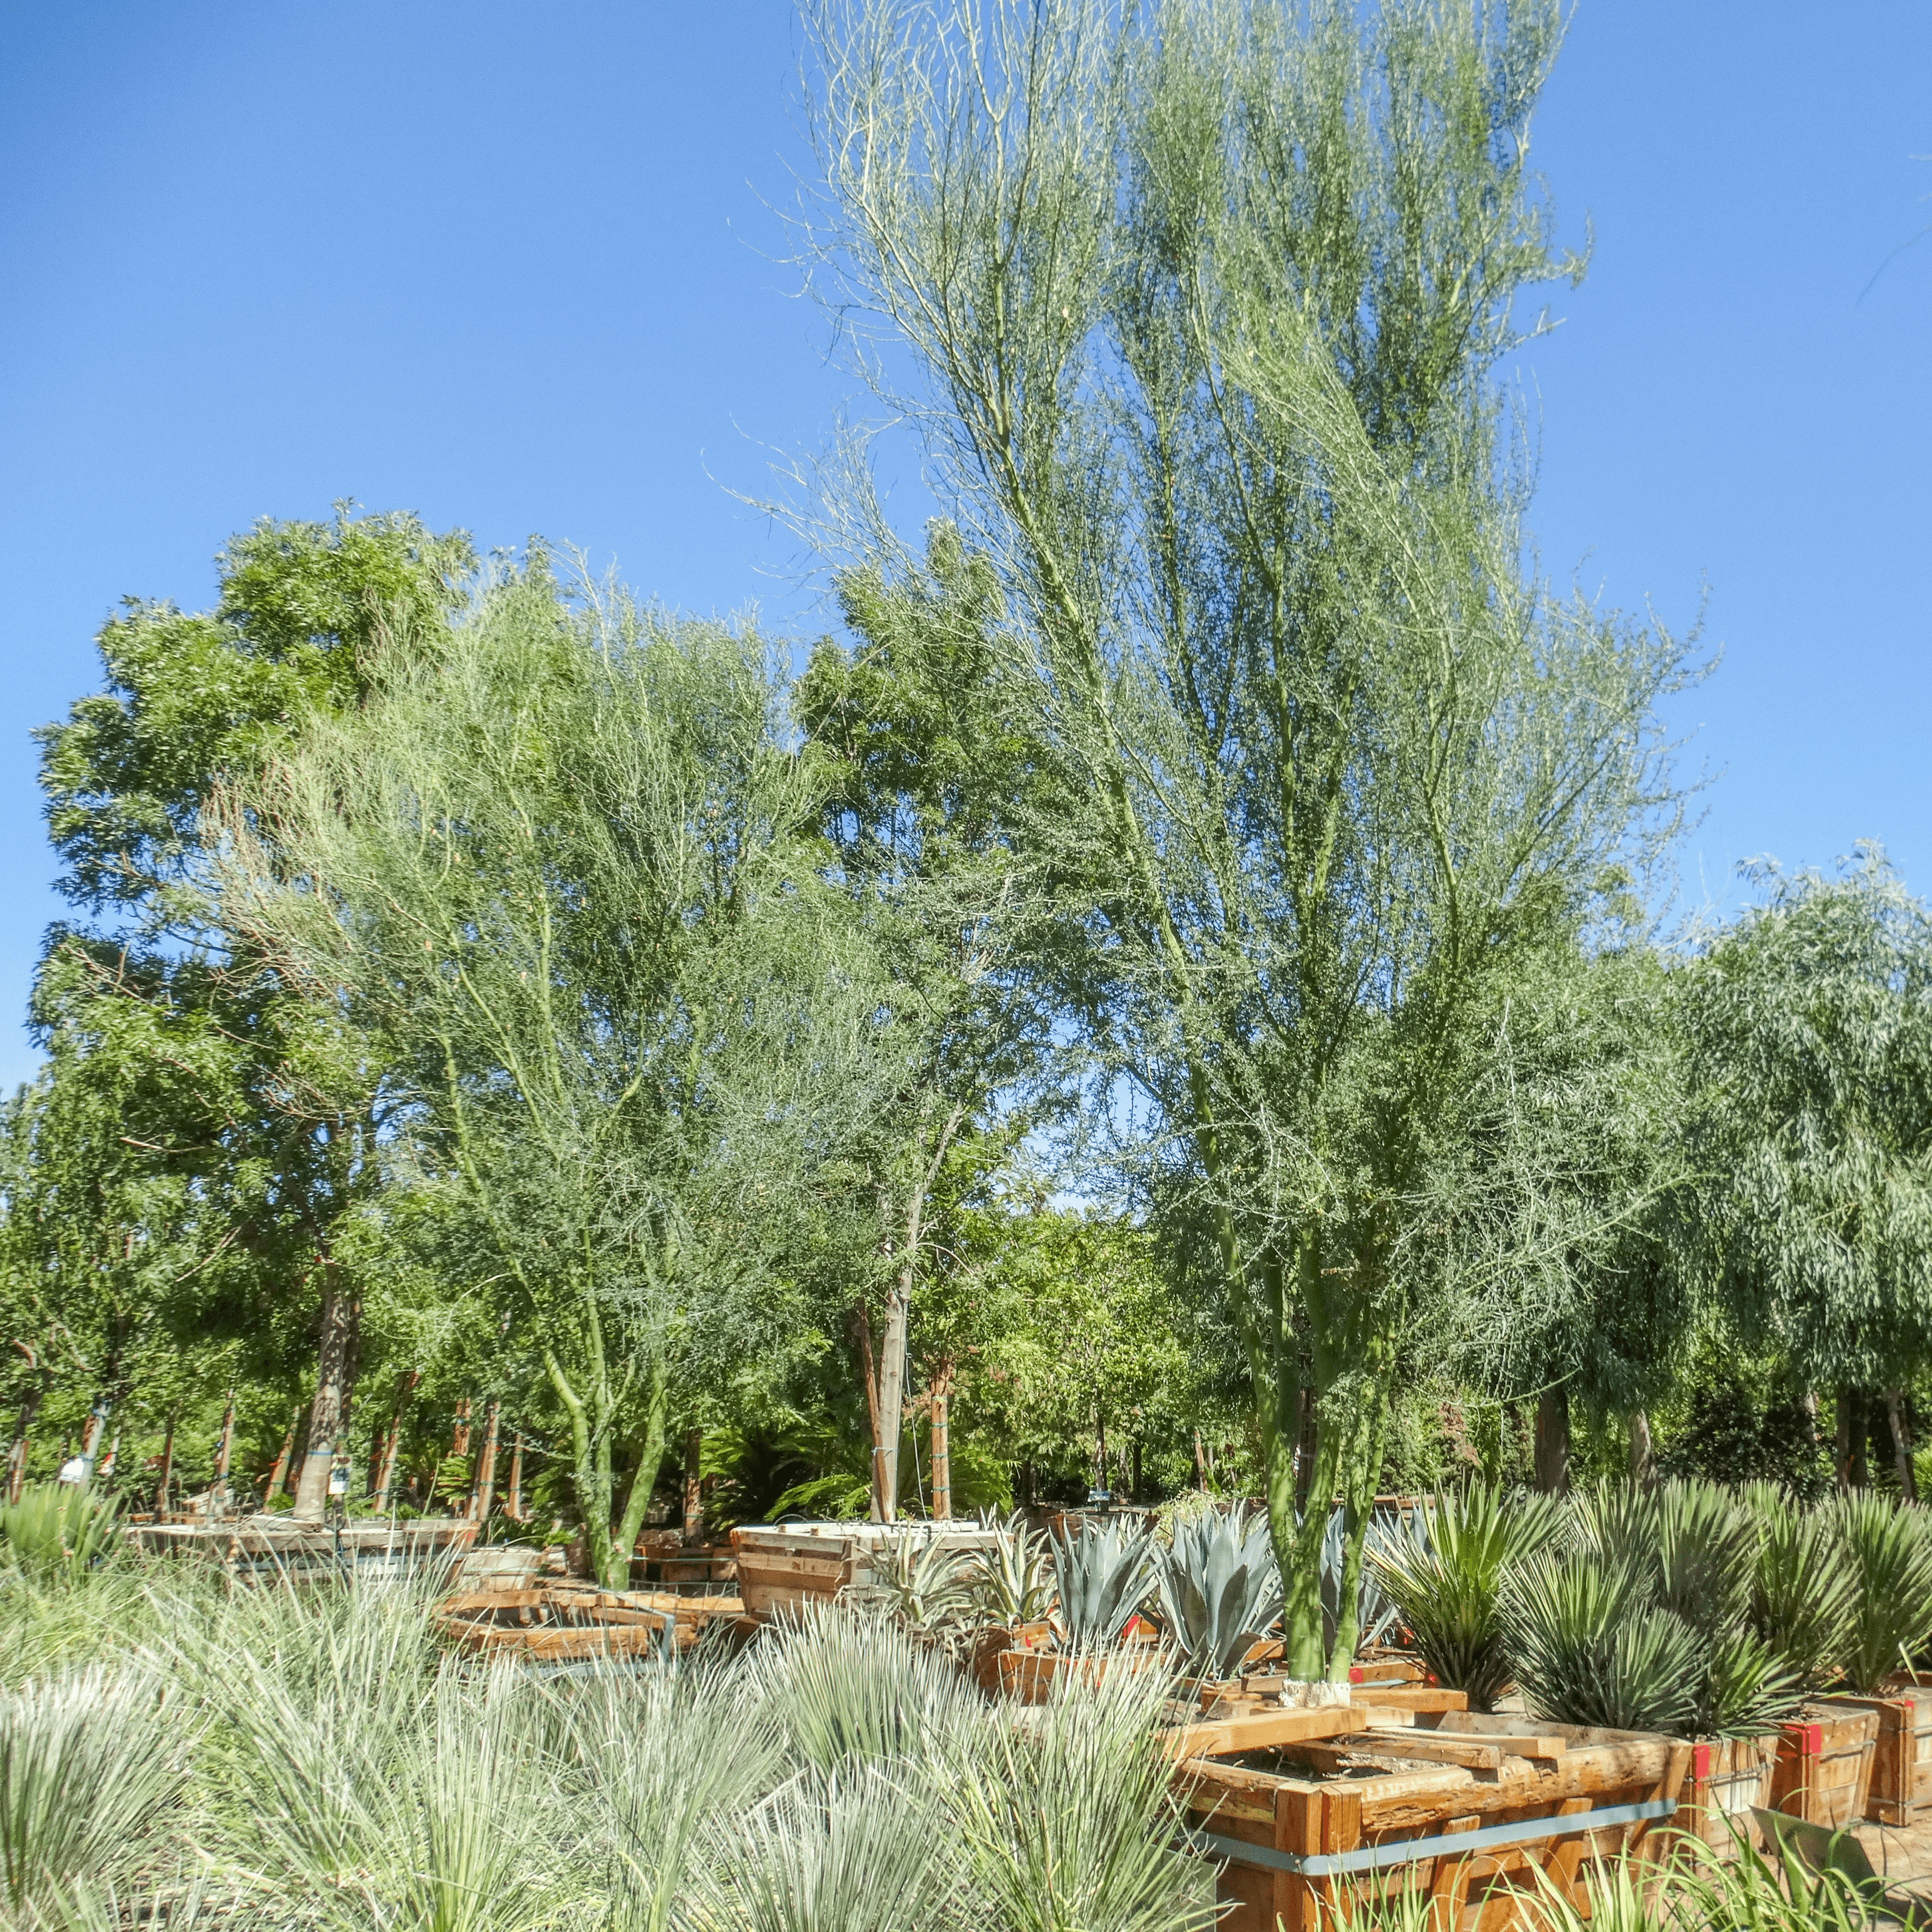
1700,1763
1357,1674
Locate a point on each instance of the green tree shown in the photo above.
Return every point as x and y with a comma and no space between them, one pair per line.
1200,305
1811,1027
927,748
267,1108
558,853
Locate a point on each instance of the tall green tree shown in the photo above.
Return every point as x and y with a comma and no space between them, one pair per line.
1198,307
563,853
1809,1021
927,748
269,1107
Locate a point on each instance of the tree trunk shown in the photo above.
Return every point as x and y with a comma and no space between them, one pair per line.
1642,1457
1901,1444
1134,1480
888,1411
328,1414
1200,1461
90,1436
694,1485
224,1455
862,1335
16,1457
459,1434
385,1482
278,1474
942,1447
1842,1440
483,1493
513,1505
167,1470
1553,1441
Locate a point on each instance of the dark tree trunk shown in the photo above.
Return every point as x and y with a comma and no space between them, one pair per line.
1553,1441
1901,1444
513,1506
1841,1458
278,1474
1305,1439
224,1454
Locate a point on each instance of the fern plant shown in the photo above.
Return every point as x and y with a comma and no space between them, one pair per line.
1219,1588
1103,1575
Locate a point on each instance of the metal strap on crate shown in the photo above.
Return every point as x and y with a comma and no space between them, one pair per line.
1406,1851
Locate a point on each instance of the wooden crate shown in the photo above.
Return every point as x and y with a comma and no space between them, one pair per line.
1729,1778
576,1622
1824,1769
1385,1794
786,1566
1900,1790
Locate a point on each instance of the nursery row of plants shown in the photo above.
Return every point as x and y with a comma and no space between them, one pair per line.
1168,993
184,1754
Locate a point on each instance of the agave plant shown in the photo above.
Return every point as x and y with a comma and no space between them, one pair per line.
1446,1586
1102,1577
58,1529
1013,1579
1219,1588
1803,1593
1887,1553
928,1582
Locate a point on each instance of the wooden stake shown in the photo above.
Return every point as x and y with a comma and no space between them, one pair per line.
387,1480
226,1452
279,1474
514,1507
459,1444
942,1446
167,1469
485,1490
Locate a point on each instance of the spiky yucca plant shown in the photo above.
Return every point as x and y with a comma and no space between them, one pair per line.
1803,1593
1102,1577
1447,1590
88,1761
58,1529
1887,1553
1589,1647
1219,1588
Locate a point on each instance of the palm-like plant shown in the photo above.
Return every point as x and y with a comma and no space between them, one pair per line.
1102,1577
1447,1588
1887,1553
58,1529
1219,1588
1589,1647
1803,1593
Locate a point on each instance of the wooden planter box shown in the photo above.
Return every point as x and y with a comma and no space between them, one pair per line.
271,1549
786,1566
1028,1676
568,1622
1730,1776
1899,1789
1825,1761
1468,1807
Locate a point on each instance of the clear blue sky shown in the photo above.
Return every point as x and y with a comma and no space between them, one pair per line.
514,267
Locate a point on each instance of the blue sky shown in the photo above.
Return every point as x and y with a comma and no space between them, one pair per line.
517,268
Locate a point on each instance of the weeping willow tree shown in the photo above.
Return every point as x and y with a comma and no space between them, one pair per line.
1810,1031
1197,306
558,852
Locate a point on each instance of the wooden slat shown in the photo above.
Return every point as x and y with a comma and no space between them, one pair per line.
1258,1732
1508,1743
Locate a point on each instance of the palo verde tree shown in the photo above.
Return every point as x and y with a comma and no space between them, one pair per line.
560,852
1197,306
268,1107
1809,1025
